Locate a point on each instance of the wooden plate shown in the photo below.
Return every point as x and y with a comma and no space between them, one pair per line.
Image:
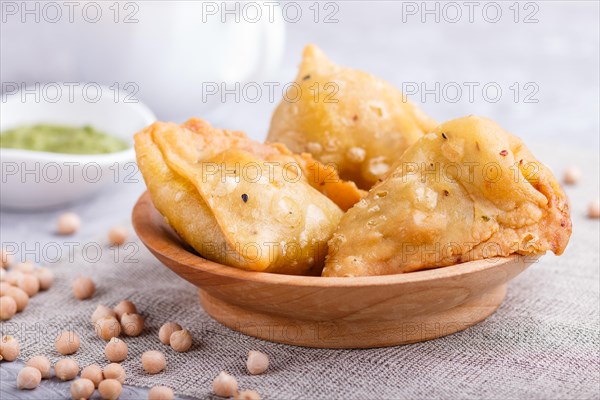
334,312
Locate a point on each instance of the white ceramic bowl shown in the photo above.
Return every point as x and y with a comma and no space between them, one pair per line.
39,180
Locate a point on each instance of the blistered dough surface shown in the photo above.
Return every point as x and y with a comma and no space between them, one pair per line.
346,118
239,202
468,190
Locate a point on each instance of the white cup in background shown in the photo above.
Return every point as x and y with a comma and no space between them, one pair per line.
164,51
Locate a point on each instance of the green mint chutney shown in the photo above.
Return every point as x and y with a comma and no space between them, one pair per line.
61,139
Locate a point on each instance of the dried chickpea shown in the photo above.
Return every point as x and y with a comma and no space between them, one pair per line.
165,332
93,372
115,350
42,364
9,348
110,389
102,311
26,267
114,371
247,395
594,209
257,362
181,341
45,277
161,393
8,308
67,342
13,277
108,328
83,288
132,324
572,175
117,235
4,286
123,307
82,389
28,378
66,369
20,297
68,224
3,274
5,259
153,361
225,385
30,284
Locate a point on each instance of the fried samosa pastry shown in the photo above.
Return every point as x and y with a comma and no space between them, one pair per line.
322,177
465,192
347,118
239,202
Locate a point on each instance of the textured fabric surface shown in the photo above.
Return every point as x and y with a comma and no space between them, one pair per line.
542,343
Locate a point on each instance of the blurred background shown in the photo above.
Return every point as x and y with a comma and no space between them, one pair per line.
543,56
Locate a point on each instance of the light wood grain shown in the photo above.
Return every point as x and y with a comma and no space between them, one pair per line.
334,312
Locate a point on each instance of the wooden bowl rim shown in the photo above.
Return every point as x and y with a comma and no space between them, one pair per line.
144,226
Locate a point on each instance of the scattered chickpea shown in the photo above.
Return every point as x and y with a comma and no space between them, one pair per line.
257,362
30,284
102,311
5,259
28,378
247,395
114,371
153,361
83,288
572,175
115,350
225,385
93,372
108,328
82,389
594,209
123,307
68,223
9,348
8,308
66,369
26,267
4,286
45,277
181,341
132,324
13,277
42,364
117,235
165,332
67,342
3,274
110,389
20,297
161,393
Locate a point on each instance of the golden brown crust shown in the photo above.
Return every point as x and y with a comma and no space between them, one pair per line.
346,118
236,201
322,177
467,191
